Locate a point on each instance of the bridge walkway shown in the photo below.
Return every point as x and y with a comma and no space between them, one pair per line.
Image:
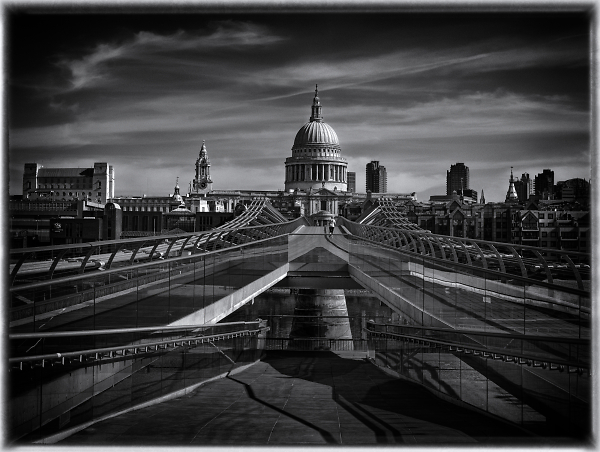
303,398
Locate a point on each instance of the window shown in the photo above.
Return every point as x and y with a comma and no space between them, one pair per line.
544,234
550,216
552,233
542,216
553,243
544,243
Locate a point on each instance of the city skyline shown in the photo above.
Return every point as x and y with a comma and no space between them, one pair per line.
417,92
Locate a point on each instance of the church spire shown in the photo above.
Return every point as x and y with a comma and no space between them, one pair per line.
511,194
203,150
316,107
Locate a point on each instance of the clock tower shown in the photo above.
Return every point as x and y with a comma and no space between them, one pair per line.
202,181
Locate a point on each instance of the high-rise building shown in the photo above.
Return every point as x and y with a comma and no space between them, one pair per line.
457,178
376,177
544,184
524,187
352,181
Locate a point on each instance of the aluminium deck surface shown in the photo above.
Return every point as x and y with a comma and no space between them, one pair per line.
301,399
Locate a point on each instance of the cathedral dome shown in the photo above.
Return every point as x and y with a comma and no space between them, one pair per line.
316,133
316,160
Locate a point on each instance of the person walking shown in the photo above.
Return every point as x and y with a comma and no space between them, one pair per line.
331,226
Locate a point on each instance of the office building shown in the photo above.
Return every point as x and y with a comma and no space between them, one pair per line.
376,177
95,184
544,184
352,181
457,178
524,187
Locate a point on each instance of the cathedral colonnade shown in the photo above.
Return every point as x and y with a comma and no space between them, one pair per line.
316,172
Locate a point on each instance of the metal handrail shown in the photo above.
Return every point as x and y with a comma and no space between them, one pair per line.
97,352
124,330
525,337
131,240
485,352
466,239
142,265
479,269
89,248
365,231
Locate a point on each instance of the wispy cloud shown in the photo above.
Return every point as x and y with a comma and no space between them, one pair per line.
94,69
478,57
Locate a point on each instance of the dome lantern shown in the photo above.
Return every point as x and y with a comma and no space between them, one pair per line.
316,107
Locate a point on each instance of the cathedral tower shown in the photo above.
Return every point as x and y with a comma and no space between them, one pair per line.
202,181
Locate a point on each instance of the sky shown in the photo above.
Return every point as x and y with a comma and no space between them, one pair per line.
416,91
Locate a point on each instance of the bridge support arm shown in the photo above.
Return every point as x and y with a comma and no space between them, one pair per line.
58,257
18,265
86,258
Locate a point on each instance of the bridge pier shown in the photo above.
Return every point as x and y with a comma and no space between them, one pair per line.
321,308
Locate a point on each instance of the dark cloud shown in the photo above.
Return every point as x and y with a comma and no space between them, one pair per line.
418,92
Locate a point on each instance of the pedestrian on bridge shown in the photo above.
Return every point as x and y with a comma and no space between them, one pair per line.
331,226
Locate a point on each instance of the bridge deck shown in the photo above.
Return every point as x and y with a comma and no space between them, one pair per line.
303,399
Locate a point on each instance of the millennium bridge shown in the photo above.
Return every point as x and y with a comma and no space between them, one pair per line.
137,341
